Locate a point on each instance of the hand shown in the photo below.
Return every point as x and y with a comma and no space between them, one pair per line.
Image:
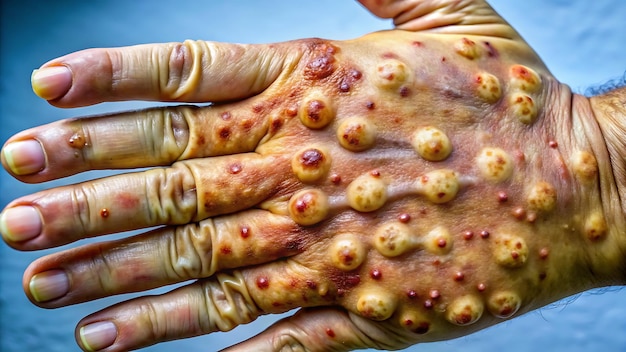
421,275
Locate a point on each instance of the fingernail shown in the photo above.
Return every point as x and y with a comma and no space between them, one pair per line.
20,223
49,285
51,82
25,157
99,335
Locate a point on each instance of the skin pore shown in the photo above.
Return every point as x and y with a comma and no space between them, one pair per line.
523,209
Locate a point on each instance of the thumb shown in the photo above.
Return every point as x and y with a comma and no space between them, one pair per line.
470,17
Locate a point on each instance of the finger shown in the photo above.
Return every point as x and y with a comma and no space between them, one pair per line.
188,191
323,329
448,16
318,330
217,304
162,257
145,138
193,71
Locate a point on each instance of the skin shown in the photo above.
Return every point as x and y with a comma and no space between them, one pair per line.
538,223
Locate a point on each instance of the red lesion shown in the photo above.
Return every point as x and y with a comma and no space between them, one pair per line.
127,201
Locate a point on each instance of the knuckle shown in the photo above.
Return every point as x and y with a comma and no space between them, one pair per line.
191,251
171,193
181,70
287,341
81,210
227,303
169,136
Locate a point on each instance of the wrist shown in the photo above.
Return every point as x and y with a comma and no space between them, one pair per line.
603,120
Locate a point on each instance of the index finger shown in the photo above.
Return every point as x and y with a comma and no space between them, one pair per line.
192,71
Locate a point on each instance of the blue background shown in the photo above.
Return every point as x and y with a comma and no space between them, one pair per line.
581,41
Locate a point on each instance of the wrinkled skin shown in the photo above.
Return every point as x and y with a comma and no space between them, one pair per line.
407,186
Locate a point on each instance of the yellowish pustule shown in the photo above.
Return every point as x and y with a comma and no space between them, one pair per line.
495,164
523,107
390,74
367,193
542,197
504,304
509,250
347,252
524,78
311,164
356,134
438,186
308,207
465,310
376,304
316,110
431,143
488,87
393,239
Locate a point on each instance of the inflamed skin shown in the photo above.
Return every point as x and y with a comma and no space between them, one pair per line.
407,186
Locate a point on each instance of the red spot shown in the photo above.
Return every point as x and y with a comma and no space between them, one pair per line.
484,234
344,86
404,218
519,213
514,255
330,332
344,281
468,235
370,105
235,168
408,322
314,109
322,64
459,276
257,108
127,201
291,111
224,132
422,328
443,59
543,253
553,144
442,243
411,294
404,91
375,173
434,294
226,250
336,179
246,125
302,205
542,276
244,232
226,116
441,194
276,124
311,158
276,304
311,284
436,262
104,212
481,287
502,197
262,282
417,44
531,217
428,304
201,140
389,55
376,274
491,51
